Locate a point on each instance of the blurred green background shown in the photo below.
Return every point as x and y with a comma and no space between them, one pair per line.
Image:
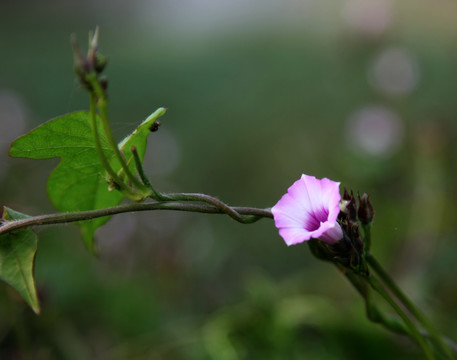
258,92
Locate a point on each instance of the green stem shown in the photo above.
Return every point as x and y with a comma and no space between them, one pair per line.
373,313
414,332
139,168
103,110
114,177
61,218
409,305
367,237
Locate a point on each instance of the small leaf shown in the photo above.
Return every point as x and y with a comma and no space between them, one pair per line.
17,256
78,183
138,137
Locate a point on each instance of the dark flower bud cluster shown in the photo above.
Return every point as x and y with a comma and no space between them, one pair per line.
350,251
91,64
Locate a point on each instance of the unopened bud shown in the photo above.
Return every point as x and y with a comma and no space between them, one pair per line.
100,62
357,240
365,212
348,205
346,195
92,63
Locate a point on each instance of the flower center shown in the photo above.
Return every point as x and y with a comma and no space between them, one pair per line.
315,218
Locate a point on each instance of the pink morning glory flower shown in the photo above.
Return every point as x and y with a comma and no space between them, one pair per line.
309,210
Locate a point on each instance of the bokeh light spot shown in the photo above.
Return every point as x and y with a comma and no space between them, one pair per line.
368,17
374,130
394,71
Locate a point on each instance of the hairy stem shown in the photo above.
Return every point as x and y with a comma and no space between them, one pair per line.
414,332
213,201
97,90
367,233
61,218
410,306
115,178
372,311
139,168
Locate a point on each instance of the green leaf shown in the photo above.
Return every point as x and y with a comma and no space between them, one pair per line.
17,256
78,183
138,138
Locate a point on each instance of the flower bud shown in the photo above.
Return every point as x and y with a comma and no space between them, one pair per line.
100,62
357,241
90,64
348,205
365,211
346,195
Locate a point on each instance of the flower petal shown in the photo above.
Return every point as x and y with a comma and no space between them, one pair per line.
299,192
288,212
331,196
294,236
329,232
314,190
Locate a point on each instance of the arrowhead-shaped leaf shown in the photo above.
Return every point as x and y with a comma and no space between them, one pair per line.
78,183
17,256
